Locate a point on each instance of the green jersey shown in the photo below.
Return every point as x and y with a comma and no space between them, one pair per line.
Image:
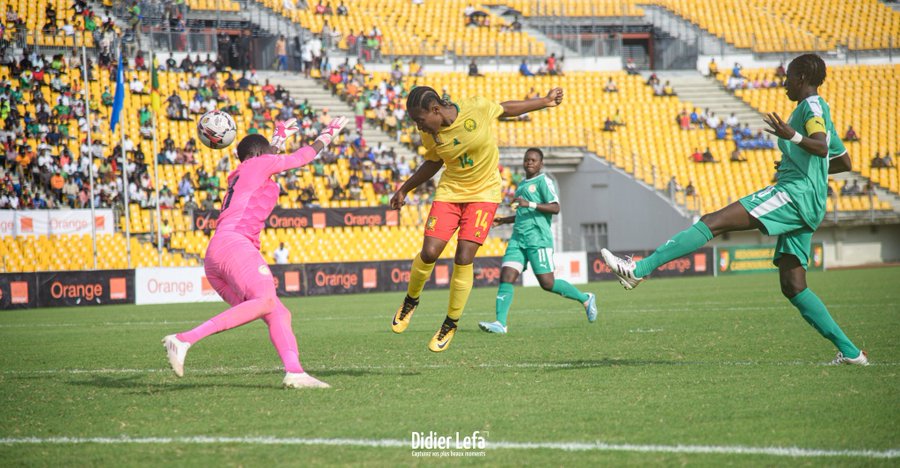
802,175
532,228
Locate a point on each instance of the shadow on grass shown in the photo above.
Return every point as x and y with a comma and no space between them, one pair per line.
138,385
606,362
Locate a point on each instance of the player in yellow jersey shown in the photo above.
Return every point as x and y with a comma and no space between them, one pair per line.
458,137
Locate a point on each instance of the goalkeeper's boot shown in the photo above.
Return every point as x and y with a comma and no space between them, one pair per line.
404,314
441,340
623,268
177,351
302,380
492,327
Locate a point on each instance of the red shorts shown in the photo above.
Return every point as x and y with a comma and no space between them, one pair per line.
474,220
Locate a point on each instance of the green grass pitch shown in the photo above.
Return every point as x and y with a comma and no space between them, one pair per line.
724,363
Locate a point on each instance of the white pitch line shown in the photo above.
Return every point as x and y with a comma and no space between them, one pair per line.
302,317
499,365
794,452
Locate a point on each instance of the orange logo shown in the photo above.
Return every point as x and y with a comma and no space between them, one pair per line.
117,288
205,287
18,292
99,222
26,224
292,281
319,220
442,274
392,218
370,277
575,267
700,262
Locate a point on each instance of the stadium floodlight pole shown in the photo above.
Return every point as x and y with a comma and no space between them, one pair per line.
159,247
90,142
125,180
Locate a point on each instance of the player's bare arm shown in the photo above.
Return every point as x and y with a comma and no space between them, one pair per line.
517,108
816,144
840,164
426,171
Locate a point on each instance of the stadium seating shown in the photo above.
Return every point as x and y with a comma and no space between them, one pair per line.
413,30
768,26
214,5
34,17
850,91
75,252
571,8
650,145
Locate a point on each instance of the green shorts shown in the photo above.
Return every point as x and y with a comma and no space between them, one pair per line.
518,257
780,217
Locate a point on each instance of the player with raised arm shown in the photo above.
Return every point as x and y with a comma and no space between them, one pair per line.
233,263
458,137
791,209
535,203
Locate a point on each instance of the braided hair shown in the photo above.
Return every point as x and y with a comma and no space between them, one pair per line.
811,67
422,97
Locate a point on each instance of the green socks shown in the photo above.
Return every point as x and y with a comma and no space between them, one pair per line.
814,311
504,300
565,289
681,244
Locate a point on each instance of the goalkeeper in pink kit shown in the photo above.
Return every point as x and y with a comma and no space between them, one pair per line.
233,263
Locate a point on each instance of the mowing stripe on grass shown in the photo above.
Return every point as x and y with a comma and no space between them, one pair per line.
796,452
499,365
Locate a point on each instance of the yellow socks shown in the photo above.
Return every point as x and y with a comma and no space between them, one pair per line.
460,287
418,276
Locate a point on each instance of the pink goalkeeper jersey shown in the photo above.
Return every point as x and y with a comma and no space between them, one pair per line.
252,194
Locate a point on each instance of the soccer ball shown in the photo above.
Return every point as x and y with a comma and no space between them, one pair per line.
216,129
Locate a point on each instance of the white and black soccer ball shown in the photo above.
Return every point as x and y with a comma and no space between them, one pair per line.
216,129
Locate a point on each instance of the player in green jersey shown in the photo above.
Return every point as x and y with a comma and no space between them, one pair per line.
791,209
532,243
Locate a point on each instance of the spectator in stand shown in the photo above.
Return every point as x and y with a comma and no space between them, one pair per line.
523,69
877,162
551,64
668,91
721,131
712,121
690,191
673,187
713,68
137,85
736,156
473,69
618,119
697,156
630,67
849,189
736,71
684,120
281,254
732,122
887,160
281,53
342,10
851,135
708,156
780,72
611,86
608,125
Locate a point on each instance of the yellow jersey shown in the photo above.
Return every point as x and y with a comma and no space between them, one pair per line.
470,155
